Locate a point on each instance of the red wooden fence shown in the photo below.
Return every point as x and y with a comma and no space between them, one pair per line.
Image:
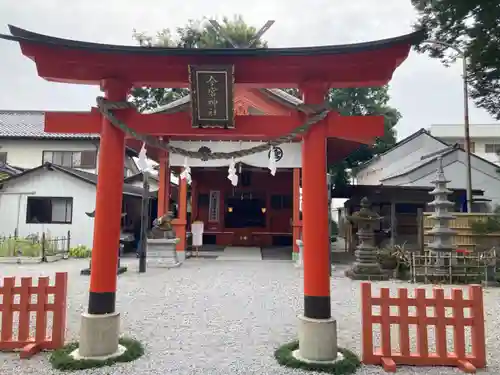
16,332
388,358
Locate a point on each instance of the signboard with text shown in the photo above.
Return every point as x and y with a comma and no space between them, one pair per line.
212,95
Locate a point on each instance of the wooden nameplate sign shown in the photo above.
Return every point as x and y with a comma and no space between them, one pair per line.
212,90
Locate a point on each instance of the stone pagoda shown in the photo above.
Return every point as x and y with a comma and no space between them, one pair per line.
366,266
441,247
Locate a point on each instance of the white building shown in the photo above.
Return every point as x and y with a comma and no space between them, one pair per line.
413,162
57,185
54,200
24,144
485,139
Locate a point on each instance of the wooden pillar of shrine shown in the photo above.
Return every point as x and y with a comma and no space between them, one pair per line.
164,185
296,222
179,224
317,329
194,199
101,309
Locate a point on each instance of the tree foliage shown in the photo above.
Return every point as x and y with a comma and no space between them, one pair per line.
474,27
361,101
195,34
348,102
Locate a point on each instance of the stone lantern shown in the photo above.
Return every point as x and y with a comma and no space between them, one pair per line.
366,266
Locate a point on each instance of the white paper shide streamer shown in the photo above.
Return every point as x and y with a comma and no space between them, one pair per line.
231,173
142,160
272,161
186,172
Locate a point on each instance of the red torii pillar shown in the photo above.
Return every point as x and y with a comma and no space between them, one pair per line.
101,313
317,329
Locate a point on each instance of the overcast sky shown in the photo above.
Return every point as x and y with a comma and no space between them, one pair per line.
422,89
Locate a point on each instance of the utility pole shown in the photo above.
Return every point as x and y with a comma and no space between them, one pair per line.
463,56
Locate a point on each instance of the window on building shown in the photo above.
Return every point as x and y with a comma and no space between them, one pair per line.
472,146
491,148
3,157
72,159
49,210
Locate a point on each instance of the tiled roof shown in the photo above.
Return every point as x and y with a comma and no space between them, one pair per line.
30,124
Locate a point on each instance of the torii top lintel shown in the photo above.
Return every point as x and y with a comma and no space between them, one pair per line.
353,65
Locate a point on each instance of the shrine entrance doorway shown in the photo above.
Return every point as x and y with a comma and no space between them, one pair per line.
257,212
245,214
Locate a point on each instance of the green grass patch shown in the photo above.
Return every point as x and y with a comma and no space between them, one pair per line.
62,360
348,365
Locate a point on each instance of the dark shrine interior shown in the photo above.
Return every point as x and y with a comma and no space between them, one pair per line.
245,212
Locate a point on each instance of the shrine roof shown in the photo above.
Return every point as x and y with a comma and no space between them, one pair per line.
276,94
347,65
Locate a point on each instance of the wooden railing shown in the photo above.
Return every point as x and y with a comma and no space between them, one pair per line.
422,356
15,333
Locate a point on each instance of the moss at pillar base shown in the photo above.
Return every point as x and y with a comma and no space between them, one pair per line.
347,365
61,359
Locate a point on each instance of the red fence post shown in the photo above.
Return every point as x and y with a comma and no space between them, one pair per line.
7,314
477,331
367,324
59,323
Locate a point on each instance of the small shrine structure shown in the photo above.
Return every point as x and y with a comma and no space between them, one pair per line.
212,75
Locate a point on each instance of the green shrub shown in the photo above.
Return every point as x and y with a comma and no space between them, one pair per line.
27,247
80,251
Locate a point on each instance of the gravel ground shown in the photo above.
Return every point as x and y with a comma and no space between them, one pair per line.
219,317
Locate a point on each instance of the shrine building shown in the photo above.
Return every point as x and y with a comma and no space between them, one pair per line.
259,211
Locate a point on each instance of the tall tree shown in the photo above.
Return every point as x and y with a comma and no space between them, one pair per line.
353,102
195,34
474,27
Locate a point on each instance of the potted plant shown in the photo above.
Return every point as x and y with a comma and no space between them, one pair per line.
387,259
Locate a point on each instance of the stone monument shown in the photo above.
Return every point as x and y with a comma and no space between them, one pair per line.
161,246
366,265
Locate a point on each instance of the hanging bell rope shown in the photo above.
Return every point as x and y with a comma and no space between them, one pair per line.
107,107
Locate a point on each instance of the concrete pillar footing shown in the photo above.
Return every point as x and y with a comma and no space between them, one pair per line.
317,340
99,336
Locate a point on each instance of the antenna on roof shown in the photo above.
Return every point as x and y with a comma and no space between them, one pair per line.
222,33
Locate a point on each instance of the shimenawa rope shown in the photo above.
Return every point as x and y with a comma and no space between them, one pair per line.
106,107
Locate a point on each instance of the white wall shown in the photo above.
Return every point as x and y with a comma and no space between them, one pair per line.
397,159
51,184
28,154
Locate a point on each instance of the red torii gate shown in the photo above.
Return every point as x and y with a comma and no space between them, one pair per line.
314,70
